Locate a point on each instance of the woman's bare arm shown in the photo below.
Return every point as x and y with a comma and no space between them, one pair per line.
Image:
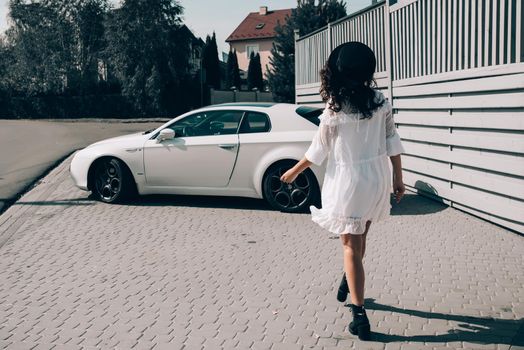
290,175
398,184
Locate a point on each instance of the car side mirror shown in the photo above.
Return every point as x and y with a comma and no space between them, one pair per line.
165,134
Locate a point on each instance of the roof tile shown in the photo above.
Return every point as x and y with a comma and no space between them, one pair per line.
246,30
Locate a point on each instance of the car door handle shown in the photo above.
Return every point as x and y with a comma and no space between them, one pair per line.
227,145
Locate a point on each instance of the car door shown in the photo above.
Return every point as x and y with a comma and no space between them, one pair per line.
202,154
255,143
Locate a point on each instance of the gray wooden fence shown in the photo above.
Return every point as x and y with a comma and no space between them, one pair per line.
454,72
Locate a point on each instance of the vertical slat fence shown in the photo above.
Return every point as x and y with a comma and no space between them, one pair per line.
455,75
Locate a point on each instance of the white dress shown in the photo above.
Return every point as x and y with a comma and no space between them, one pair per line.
358,182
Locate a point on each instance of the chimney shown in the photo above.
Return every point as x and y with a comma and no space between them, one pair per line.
263,10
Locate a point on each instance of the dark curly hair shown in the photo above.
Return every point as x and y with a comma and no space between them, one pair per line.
347,79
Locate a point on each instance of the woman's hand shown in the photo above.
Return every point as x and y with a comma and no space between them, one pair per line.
398,189
289,176
398,184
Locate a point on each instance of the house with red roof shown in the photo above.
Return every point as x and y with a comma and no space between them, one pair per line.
256,34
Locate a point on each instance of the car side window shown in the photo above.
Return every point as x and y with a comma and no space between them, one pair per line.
255,122
208,123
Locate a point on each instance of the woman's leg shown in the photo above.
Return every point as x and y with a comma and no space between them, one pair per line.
364,236
354,247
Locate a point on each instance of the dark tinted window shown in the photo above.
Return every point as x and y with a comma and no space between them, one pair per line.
310,113
255,122
208,123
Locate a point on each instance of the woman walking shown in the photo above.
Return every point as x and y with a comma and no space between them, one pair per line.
357,134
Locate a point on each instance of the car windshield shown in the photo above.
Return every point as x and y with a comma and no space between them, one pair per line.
310,113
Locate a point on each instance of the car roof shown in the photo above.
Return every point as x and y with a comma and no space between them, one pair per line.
245,104
283,115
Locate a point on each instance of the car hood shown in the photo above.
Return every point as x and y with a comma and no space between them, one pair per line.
139,136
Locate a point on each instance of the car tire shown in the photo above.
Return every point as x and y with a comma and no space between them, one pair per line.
112,181
295,197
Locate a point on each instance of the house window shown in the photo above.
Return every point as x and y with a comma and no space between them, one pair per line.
251,48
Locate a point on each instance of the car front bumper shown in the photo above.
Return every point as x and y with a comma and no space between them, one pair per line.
79,169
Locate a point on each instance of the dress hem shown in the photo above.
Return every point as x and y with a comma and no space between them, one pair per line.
343,225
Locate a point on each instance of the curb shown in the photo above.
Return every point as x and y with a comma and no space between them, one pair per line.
12,217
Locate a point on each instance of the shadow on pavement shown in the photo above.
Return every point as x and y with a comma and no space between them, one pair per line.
411,204
201,202
414,204
480,330
68,202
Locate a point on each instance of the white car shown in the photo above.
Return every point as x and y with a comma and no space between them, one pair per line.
233,149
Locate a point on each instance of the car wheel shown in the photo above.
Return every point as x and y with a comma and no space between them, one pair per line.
112,181
295,197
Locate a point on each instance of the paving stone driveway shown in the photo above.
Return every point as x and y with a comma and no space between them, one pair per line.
226,273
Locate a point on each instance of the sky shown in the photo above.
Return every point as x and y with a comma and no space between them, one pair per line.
222,16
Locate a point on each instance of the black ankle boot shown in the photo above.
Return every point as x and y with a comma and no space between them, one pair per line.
360,324
343,289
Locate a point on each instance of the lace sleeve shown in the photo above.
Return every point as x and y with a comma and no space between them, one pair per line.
393,143
323,140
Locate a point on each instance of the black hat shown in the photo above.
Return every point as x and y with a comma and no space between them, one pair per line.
353,59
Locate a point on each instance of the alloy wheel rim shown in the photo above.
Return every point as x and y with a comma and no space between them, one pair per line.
108,180
289,196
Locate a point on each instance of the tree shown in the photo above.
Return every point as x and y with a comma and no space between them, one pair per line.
55,44
331,10
281,73
149,53
233,71
254,73
90,29
42,44
5,63
237,80
309,16
211,63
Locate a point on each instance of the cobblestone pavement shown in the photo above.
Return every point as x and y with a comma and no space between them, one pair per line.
186,272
